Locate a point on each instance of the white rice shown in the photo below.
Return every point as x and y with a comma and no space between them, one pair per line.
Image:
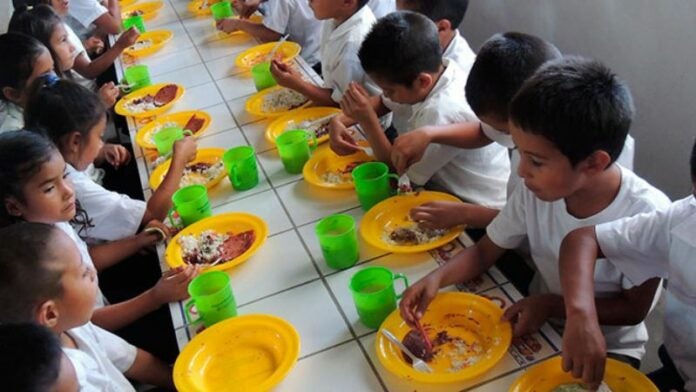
197,178
139,45
282,100
205,246
140,107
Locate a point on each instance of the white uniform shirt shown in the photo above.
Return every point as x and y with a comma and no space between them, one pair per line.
662,244
86,11
114,215
84,253
545,224
11,116
382,7
294,17
100,359
460,52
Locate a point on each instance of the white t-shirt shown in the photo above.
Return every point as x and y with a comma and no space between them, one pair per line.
84,253
662,244
545,224
382,7
339,48
86,11
294,17
100,359
460,52
11,116
114,215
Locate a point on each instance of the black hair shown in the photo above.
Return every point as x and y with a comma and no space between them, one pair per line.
23,51
693,162
437,10
30,357
361,3
503,63
578,104
401,46
29,271
39,22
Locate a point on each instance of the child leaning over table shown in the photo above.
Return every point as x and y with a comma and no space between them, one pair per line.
570,180
402,56
661,244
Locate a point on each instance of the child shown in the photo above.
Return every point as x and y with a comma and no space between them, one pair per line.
661,244
44,280
345,25
31,360
570,181
87,13
291,17
402,56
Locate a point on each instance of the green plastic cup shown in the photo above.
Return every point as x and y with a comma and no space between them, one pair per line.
263,78
137,77
192,204
222,10
211,294
136,21
295,149
372,183
240,163
374,295
338,240
165,138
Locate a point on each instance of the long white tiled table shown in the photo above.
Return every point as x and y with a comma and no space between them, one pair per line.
288,276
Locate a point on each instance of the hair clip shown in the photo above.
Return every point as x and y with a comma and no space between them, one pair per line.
51,79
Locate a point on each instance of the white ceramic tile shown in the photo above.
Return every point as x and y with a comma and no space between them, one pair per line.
224,193
237,107
308,203
164,16
188,77
274,169
322,372
255,134
172,61
224,67
236,86
237,43
225,139
201,30
221,119
181,8
265,205
302,306
198,97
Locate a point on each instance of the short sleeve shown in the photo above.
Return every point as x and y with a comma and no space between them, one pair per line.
278,16
509,228
86,11
121,353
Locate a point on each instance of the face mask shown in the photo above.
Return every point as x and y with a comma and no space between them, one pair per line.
502,138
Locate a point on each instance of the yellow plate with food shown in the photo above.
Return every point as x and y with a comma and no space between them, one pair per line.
195,121
147,10
259,54
149,43
548,376
325,169
205,169
275,101
149,101
126,3
219,242
315,119
252,352
466,332
387,225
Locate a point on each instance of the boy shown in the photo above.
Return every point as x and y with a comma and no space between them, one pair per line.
44,280
570,180
291,17
402,56
657,244
31,360
345,25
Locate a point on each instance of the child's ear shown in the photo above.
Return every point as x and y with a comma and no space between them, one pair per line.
47,314
73,141
424,81
443,25
597,162
13,207
11,94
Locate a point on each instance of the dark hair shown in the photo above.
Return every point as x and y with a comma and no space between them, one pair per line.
20,52
39,22
361,3
693,162
400,46
29,275
437,10
30,357
503,63
578,104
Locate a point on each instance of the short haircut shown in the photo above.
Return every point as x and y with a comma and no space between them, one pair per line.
29,275
503,63
361,3
401,46
693,162
30,357
437,10
578,104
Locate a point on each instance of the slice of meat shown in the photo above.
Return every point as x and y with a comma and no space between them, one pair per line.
166,94
237,244
194,124
416,345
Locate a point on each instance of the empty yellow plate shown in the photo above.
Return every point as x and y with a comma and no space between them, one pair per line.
470,318
122,105
235,222
257,103
147,9
245,353
144,136
546,376
258,54
327,170
204,155
149,43
393,213
297,119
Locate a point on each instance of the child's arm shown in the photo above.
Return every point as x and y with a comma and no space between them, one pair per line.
110,253
148,369
285,77
110,22
90,69
257,30
446,214
340,137
357,104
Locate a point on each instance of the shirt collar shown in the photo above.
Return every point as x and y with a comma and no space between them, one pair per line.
452,45
349,25
447,76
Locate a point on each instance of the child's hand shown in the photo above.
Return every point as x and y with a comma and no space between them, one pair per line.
356,103
173,285
128,38
285,75
227,25
529,314
417,297
584,350
154,233
340,139
108,93
245,8
184,150
409,149
439,214
115,155
94,45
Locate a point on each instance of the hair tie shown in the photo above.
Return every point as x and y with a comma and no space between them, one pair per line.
51,79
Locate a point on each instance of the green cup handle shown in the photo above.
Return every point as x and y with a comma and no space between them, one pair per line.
188,132
395,177
405,279
187,313
233,176
313,145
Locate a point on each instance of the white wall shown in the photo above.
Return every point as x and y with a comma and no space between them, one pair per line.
651,44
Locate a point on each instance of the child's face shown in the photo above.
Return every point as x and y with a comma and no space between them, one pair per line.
325,9
91,145
60,6
64,50
67,378
400,93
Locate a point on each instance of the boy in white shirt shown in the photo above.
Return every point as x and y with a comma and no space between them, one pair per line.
107,18
344,26
402,56
657,244
570,180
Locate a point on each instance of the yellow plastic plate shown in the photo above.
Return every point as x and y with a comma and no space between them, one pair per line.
324,160
548,375
393,212
235,222
120,107
256,55
294,119
158,37
254,105
149,9
144,135
126,3
244,353
207,155
467,316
